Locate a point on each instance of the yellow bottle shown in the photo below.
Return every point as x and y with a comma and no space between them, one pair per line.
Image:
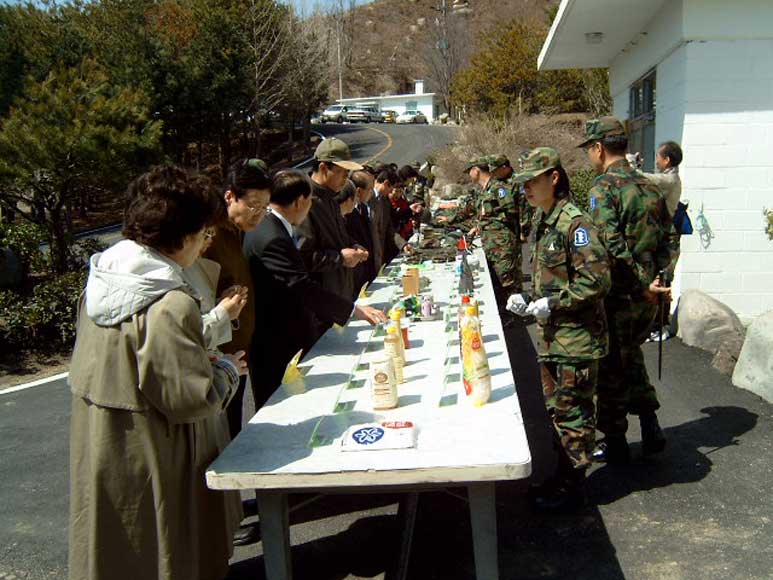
393,349
476,375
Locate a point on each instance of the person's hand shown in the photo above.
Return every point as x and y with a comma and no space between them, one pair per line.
524,239
408,249
417,207
372,315
539,309
448,205
634,159
442,219
237,359
234,300
474,232
656,291
362,253
517,304
351,257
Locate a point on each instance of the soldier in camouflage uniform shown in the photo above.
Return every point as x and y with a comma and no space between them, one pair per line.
498,228
502,170
570,279
634,224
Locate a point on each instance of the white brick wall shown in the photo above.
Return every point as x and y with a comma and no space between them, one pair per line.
715,97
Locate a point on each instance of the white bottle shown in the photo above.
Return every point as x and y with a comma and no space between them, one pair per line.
382,381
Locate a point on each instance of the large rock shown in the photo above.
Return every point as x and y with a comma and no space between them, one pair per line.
708,324
754,370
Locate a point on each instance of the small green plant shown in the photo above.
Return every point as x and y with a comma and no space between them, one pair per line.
581,182
25,239
768,213
47,318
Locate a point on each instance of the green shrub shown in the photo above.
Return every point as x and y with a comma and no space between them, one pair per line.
581,182
47,318
25,239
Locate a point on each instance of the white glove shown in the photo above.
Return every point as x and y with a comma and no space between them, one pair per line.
539,309
517,304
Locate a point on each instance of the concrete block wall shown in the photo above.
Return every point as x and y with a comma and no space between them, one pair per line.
727,137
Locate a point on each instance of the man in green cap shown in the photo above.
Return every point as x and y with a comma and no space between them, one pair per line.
634,223
327,249
498,228
570,280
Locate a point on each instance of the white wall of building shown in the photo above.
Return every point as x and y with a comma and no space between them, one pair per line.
426,103
715,97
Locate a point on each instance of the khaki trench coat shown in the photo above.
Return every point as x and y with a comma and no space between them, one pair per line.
144,429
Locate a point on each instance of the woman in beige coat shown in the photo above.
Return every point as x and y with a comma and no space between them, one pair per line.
144,395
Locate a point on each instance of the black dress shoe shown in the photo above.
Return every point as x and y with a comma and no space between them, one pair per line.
652,438
613,450
246,535
561,495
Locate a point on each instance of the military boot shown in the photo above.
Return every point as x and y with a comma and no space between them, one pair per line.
566,493
613,449
652,438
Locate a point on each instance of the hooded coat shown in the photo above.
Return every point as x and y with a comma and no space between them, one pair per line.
145,425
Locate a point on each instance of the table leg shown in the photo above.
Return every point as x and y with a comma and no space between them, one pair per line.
406,513
483,516
275,535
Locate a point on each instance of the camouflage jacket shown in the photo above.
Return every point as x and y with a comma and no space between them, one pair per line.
525,210
467,208
499,208
634,224
416,192
570,268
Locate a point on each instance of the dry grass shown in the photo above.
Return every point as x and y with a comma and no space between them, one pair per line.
511,136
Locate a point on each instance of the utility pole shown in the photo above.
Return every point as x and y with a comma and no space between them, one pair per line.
340,68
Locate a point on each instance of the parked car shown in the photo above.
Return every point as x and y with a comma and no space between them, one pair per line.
411,117
335,113
389,116
364,115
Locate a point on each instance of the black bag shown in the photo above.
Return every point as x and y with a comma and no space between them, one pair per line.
682,222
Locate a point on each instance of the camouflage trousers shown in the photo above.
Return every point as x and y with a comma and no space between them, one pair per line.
624,385
505,263
568,388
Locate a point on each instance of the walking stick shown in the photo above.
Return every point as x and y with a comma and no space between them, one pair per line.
662,281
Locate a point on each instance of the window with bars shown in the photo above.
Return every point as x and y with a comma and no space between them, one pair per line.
641,120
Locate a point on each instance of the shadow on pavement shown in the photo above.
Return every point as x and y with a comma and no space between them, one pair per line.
681,462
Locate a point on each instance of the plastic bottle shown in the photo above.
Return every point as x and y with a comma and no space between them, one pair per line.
466,282
393,348
383,385
396,317
476,375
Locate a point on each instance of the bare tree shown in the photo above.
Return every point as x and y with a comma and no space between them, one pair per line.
343,17
447,50
269,44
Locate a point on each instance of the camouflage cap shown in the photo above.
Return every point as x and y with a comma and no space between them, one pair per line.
596,129
335,151
537,162
481,161
497,161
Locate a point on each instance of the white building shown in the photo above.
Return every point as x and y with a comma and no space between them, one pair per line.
698,72
427,103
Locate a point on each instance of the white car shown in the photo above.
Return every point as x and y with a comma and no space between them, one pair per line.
334,113
411,117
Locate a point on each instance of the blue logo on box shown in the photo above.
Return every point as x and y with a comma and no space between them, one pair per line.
368,435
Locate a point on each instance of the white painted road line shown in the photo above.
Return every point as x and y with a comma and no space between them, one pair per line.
38,383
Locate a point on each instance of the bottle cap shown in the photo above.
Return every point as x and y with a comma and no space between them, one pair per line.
465,299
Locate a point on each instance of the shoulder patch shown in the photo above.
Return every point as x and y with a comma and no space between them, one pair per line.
581,238
592,202
502,192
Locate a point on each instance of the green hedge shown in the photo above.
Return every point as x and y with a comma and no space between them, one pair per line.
47,318
581,182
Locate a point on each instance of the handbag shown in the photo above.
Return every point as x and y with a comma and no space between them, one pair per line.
682,222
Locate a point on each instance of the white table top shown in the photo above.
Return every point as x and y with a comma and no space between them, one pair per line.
294,441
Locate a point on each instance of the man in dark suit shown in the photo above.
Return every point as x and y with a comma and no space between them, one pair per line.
361,227
291,303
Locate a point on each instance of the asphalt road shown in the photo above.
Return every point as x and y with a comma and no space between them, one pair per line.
700,510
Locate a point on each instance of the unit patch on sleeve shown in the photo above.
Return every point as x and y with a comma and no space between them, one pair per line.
581,238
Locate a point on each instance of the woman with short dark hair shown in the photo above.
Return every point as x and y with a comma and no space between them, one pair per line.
146,398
